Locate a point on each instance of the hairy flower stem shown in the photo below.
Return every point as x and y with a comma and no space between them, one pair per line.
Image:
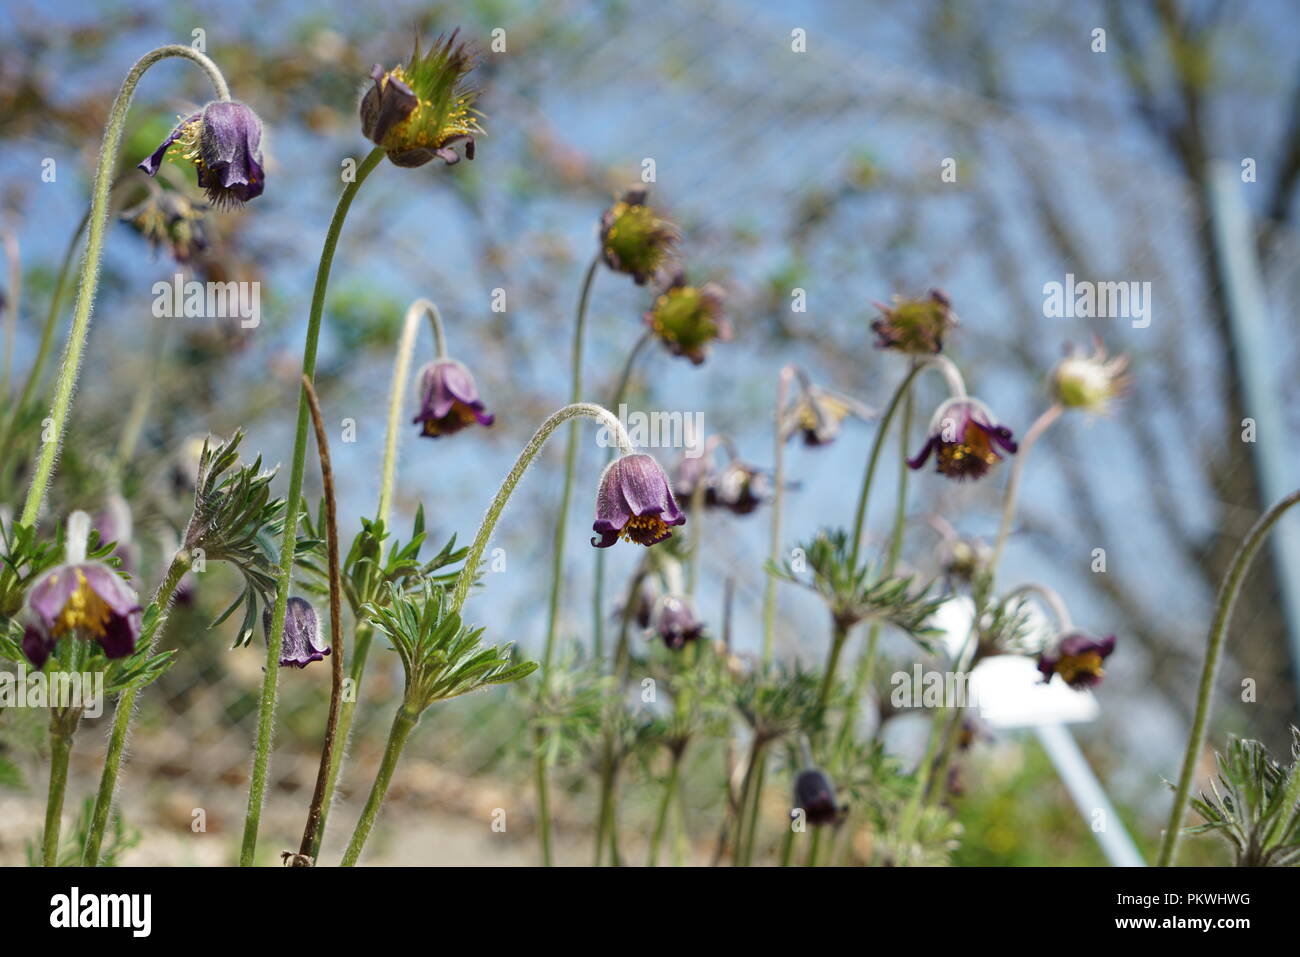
778,501
403,723
123,714
598,590
61,731
1228,592
665,803
66,381
570,464
1041,425
388,477
878,442
469,570
293,505
316,813
867,663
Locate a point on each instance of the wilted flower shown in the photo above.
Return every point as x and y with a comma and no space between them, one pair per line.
914,326
815,795
80,597
1091,382
818,413
674,621
687,318
1077,658
301,644
633,239
449,399
422,110
634,502
168,219
224,142
965,439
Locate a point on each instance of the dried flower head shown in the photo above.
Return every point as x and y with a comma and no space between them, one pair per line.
1090,382
449,399
687,318
634,502
1078,659
965,438
224,142
914,326
425,108
633,239
170,220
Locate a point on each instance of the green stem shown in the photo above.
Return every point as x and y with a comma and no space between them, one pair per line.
403,723
397,390
778,501
742,805
293,504
474,556
86,288
661,821
543,797
1227,600
1041,425
123,714
755,805
570,463
60,753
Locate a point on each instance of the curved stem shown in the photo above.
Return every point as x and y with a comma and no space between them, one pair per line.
778,501
475,555
570,462
122,717
1041,425
1060,611
397,391
403,723
86,288
1227,599
316,813
293,504
868,476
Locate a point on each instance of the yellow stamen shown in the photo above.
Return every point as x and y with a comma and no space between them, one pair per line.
1073,667
644,529
85,610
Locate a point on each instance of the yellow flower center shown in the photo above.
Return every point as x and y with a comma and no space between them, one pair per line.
1073,667
84,610
974,444
644,529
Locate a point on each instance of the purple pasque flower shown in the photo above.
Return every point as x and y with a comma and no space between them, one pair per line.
82,598
1078,658
634,502
224,142
449,399
674,621
965,438
301,643
740,488
815,795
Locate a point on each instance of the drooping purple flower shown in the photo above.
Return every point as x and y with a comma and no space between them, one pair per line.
224,142
84,598
449,399
674,621
815,795
965,438
301,643
634,502
1078,658
740,488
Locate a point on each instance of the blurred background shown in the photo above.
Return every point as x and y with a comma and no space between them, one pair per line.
818,171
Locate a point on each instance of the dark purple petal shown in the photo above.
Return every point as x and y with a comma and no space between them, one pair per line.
919,460
230,149
120,634
301,644
36,646
386,104
154,160
449,399
814,793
